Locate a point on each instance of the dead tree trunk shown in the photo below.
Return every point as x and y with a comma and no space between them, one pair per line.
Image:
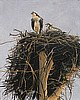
43,75
44,71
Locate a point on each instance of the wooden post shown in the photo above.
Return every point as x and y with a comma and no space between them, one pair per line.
43,75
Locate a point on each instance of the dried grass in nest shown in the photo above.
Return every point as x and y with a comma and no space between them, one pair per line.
22,71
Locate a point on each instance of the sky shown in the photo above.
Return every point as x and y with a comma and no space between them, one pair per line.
64,14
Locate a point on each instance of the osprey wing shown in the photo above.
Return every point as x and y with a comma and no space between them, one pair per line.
41,24
32,23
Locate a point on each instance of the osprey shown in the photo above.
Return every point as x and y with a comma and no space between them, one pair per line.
36,22
50,27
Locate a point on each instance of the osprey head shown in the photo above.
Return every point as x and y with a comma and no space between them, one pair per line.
48,25
34,14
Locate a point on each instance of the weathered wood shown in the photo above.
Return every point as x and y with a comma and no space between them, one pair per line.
43,75
57,92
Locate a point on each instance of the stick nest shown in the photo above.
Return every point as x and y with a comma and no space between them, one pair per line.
23,68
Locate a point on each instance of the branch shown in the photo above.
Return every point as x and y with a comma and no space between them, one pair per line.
58,91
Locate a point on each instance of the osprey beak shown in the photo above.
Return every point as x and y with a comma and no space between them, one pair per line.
32,13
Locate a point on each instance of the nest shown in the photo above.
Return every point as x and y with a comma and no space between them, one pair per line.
24,60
